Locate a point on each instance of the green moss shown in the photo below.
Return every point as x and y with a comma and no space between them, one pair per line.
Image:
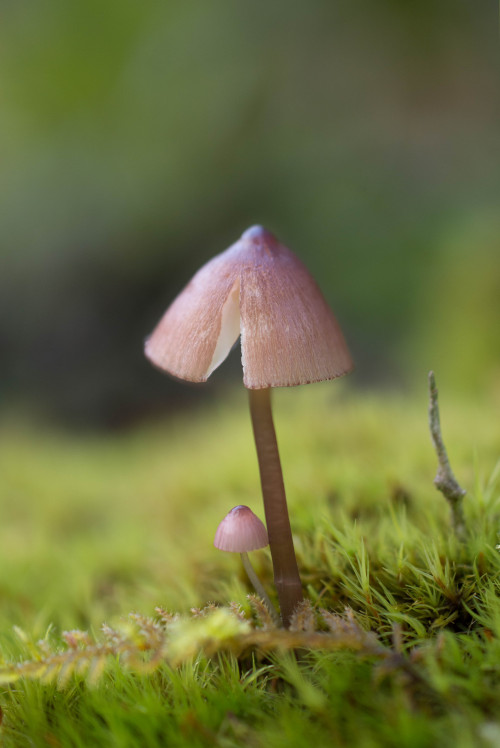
92,528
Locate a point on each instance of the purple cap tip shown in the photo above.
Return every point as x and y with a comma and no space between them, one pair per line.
258,233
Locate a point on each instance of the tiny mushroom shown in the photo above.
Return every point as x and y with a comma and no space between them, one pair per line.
259,290
239,532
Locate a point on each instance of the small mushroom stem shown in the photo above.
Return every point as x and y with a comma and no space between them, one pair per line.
257,585
286,572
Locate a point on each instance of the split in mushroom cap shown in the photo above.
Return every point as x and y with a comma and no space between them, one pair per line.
241,531
257,288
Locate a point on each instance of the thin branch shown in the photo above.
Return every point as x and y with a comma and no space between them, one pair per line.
445,481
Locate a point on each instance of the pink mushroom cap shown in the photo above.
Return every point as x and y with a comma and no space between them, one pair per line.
259,290
241,531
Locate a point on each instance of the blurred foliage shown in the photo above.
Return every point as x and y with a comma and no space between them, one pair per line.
138,139
460,305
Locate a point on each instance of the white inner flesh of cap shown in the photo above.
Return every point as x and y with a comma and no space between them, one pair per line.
229,328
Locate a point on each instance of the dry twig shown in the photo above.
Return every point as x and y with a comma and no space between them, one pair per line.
445,481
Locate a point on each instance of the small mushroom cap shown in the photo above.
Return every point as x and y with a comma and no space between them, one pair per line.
260,290
241,531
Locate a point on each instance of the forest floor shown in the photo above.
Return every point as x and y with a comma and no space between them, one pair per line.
121,625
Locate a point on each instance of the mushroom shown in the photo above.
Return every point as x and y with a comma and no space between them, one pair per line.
259,290
239,532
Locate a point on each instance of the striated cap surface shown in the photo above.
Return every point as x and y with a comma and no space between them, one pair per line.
241,531
260,290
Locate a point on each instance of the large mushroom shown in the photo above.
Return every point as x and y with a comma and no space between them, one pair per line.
259,290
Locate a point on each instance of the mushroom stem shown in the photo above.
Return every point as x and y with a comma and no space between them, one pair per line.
286,572
257,585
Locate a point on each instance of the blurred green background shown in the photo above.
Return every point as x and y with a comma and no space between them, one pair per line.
140,138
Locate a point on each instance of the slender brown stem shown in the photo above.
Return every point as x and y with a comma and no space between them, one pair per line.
259,589
286,573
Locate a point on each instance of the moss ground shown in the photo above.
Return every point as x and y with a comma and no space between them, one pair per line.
92,528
